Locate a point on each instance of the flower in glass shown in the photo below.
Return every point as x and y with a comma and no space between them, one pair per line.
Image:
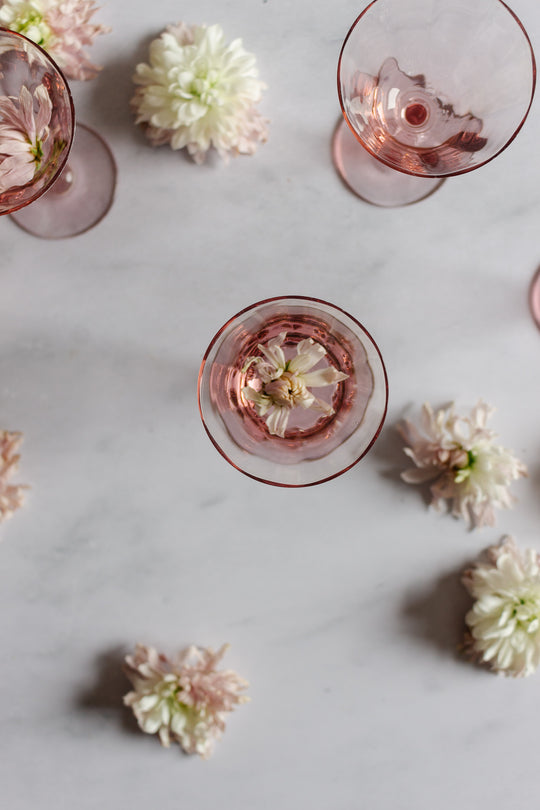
199,92
458,454
62,27
23,136
11,495
185,699
504,622
285,384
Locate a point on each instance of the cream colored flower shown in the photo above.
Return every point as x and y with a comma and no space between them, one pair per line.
459,455
504,622
11,495
61,27
285,383
199,92
185,699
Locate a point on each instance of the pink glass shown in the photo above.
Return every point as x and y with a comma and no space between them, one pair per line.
315,447
66,198
428,89
22,63
534,298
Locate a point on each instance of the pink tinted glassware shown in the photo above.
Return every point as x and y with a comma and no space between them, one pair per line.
25,65
428,89
63,198
534,297
316,447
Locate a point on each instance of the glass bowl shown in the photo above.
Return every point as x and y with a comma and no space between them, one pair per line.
318,443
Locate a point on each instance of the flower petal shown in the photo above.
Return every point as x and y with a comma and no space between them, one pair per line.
323,376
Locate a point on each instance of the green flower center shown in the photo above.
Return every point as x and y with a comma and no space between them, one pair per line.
526,612
37,152
32,25
464,472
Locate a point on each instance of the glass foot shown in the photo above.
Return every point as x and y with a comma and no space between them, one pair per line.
372,180
80,197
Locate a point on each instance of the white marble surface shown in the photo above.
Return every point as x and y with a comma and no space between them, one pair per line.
342,602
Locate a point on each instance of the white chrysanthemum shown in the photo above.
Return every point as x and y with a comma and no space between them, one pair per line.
285,383
27,17
199,92
62,27
185,699
459,455
504,621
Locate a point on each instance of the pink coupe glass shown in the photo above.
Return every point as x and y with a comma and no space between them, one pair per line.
428,89
316,446
43,192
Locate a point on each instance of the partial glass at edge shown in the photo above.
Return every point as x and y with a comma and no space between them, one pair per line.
430,88
311,451
25,64
65,197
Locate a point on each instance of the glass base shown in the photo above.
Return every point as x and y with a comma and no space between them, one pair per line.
81,195
373,181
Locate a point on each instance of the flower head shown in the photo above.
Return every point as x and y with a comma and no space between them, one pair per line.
504,622
459,455
285,383
11,495
61,27
24,136
185,699
199,92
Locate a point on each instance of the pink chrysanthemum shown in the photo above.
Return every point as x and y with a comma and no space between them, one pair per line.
199,92
24,136
504,622
62,27
11,495
459,455
185,699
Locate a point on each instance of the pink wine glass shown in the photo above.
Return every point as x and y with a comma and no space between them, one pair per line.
317,445
43,192
428,89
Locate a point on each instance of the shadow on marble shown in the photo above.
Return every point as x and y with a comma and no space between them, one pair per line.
392,461
113,88
436,615
112,91
104,697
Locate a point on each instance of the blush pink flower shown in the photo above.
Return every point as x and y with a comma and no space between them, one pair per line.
504,621
11,495
459,456
62,27
24,136
185,699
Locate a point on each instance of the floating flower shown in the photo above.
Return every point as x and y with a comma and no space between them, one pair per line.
459,455
61,27
199,92
11,495
24,136
285,383
504,622
185,699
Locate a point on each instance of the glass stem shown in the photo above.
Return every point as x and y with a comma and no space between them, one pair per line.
64,182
